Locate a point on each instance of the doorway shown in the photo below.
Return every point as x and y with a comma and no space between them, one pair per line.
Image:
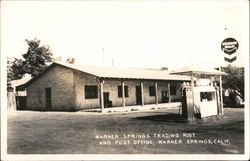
48,98
107,102
138,95
164,95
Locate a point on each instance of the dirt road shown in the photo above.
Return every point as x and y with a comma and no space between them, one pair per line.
148,132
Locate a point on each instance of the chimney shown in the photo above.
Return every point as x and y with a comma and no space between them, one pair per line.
164,68
57,59
70,60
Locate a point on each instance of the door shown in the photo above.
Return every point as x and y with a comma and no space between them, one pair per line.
107,102
138,95
48,98
106,96
164,97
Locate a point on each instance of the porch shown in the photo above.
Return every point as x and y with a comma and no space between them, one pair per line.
138,108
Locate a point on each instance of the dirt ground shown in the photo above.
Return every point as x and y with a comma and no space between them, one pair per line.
147,132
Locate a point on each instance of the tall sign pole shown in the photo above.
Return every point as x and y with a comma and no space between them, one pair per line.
229,46
221,94
102,56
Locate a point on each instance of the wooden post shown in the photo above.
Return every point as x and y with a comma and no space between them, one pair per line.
101,94
191,110
156,94
217,93
11,102
142,94
169,93
123,95
221,95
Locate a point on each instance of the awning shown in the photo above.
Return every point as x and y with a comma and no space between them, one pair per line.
198,71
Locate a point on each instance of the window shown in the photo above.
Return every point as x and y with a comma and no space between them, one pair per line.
120,91
208,96
172,90
91,92
151,90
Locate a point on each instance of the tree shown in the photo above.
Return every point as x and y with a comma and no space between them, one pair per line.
34,61
10,73
234,82
14,68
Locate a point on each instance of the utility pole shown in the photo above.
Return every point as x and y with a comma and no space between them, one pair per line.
113,62
102,56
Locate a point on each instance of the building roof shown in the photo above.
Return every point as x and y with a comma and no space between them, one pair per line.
117,73
126,73
18,82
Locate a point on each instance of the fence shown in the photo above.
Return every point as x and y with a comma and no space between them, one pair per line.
11,101
15,102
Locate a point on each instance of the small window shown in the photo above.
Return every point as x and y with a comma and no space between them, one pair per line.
208,96
120,91
151,90
172,90
91,92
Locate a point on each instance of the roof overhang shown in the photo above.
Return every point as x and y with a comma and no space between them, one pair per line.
102,76
198,71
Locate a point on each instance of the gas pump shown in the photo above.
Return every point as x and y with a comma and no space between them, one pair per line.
202,102
201,98
187,103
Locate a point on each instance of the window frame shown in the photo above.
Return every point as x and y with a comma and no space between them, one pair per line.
208,96
88,90
173,89
151,91
119,91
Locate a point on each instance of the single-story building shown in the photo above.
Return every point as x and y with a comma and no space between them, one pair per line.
72,87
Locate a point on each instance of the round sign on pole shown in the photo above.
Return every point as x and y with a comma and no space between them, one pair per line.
229,46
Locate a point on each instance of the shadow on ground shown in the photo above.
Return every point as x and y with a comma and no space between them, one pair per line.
170,117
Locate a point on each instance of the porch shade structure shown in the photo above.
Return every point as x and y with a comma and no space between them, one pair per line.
196,71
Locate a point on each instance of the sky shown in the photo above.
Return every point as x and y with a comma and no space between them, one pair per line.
144,34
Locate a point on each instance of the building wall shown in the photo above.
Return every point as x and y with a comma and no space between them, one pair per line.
111,86
161,86
68,94
60,80
178,94
80,80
